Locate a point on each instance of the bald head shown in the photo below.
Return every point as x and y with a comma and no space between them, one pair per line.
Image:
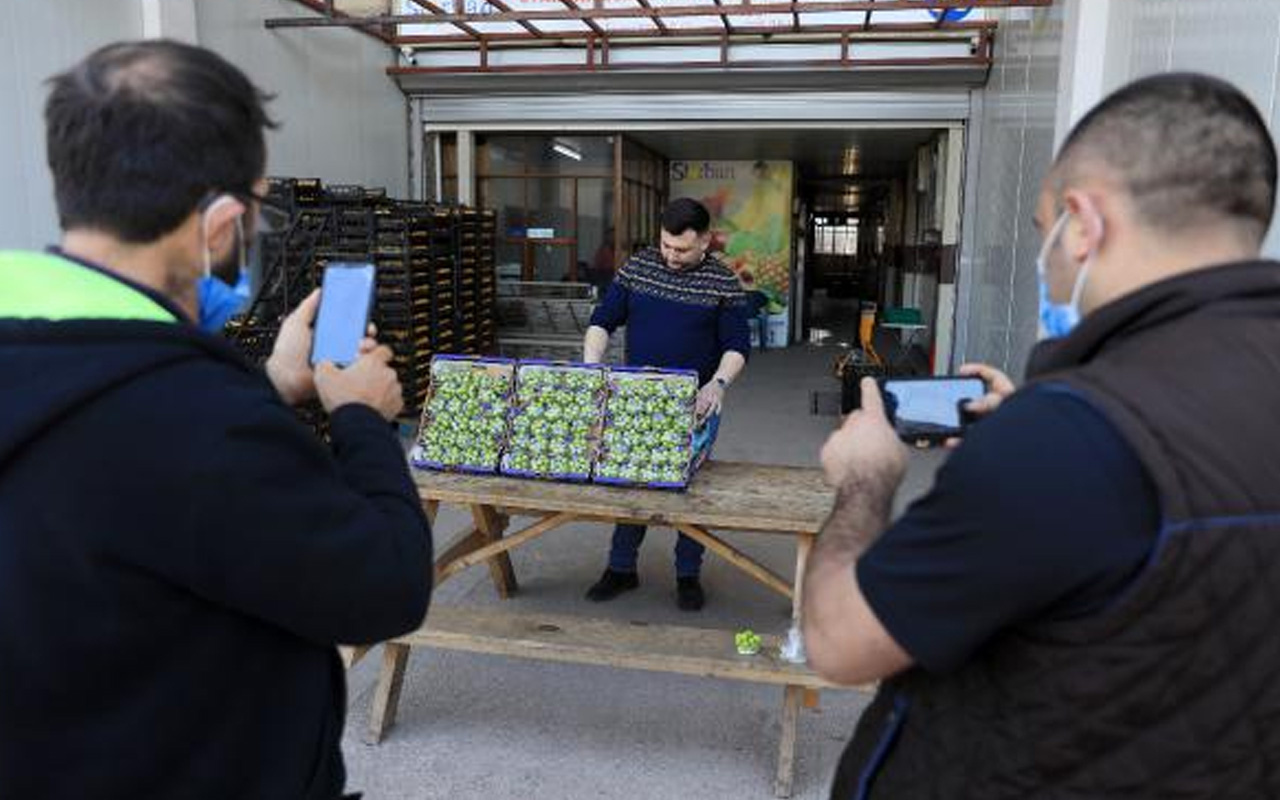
1191,152
139,132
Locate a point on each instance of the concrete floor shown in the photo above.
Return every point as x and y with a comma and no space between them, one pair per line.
476,726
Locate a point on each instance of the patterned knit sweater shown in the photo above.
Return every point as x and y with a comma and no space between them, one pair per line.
676,319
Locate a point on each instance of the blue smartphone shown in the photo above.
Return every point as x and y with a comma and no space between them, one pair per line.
346,301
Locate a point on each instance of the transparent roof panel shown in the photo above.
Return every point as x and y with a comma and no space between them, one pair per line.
559,25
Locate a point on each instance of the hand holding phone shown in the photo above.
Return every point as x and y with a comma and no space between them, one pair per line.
346,302
931,410
369,381
288,366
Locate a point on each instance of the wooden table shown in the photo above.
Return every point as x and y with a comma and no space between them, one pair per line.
728,496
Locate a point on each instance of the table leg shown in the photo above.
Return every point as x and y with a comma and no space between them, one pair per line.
386,697
804,547
491,524
791,699
351,654
794,696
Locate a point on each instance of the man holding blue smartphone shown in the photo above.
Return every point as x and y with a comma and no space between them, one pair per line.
1084,605
179,555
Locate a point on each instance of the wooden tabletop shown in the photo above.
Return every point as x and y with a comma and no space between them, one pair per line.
724,494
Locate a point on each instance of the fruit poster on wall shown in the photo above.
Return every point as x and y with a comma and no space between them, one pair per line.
750,205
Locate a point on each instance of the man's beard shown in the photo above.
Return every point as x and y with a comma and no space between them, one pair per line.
228,268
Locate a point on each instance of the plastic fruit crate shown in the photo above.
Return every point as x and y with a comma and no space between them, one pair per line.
555,420
464,418
651,436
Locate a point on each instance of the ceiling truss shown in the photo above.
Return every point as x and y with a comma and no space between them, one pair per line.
599,29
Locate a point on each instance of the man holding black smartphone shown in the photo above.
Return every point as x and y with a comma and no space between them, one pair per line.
1085,603
179,555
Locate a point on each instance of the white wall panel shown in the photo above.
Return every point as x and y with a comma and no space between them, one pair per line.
37,40
342,118
1238,40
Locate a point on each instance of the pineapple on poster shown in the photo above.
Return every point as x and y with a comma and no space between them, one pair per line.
750,205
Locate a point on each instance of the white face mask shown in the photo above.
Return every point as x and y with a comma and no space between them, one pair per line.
1059,319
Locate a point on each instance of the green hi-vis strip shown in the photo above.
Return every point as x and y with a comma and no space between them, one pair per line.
42,286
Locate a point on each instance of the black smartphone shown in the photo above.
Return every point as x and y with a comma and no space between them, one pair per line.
929,409
346,302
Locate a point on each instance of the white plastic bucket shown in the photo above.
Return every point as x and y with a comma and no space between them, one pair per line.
776,334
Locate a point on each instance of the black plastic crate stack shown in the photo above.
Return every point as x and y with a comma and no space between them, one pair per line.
468,271
437,230
486,279
404,301
437,283
286,265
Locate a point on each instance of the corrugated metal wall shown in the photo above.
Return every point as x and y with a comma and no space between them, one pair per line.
1235,39
1015,141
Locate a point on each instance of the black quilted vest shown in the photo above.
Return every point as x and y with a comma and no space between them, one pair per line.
1173,690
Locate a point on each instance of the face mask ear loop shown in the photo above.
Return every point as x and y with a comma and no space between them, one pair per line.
1042,260
204,244
1078,290
204,232
244,245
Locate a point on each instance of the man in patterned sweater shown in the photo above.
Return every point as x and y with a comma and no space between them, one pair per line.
683,308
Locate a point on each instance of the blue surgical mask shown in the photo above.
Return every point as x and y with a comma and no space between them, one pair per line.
1058,319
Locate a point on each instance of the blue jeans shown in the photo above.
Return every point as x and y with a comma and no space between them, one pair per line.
626,548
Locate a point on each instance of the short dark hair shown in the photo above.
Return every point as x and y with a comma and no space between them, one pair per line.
1190,150
138,133
686,214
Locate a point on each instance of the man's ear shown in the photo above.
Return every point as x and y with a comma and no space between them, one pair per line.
1085,229
219,224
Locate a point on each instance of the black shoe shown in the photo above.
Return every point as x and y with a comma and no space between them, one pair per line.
612,584
689,594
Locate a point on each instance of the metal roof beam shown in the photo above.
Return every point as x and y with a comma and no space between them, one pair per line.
662,26
904,32
597,14
326,7
427,5
528,26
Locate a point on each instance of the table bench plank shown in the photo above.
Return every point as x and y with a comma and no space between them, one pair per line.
700,652
724,495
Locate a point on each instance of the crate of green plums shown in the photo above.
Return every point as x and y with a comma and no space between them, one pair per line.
555,420
651,434
564,421
465,417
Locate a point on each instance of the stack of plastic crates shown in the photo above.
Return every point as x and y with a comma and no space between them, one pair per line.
404,302
486,279
468,283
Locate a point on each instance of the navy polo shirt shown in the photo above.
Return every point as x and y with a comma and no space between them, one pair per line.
1043,513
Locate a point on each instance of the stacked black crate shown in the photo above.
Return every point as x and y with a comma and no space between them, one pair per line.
487,283
442,269
403,308
285,268
468,272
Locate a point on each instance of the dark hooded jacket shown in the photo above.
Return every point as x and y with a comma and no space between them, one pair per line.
179,555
